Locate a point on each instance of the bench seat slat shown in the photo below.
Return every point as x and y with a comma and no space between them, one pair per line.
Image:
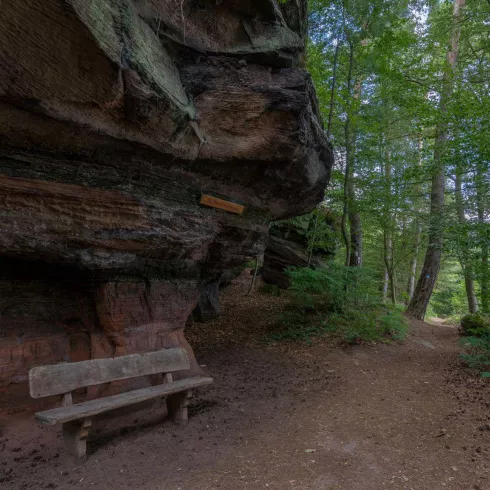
101,405
61,378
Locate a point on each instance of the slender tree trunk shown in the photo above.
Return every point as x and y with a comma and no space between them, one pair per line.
343,226
254,277
355,256
329,127
388,233
414,260
425,285
355,259
470,294
485,272
393,287
348,160
390,282
332,89
386,282
418,231
464,258
484,283
313,238
354,248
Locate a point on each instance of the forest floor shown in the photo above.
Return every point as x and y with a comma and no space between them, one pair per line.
284,416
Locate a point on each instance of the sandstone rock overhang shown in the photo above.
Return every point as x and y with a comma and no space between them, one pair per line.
115,117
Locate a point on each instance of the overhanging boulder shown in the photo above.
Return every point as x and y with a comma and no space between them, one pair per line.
116,116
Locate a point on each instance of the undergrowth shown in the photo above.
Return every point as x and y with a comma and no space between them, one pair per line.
476,329
339,301
477,353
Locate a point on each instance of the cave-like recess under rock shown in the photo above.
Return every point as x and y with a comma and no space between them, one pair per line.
115,117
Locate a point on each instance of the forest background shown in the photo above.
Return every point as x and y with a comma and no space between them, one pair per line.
404,91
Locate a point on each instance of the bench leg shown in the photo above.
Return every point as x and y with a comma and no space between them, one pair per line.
75,438
177,406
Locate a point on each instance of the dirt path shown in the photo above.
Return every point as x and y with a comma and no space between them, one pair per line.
285,417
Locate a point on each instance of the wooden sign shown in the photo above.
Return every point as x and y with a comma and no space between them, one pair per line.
216,202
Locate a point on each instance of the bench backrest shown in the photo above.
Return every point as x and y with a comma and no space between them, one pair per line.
63,378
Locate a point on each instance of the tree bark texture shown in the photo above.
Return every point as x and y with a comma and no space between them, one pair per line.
430,270
464,252
484,271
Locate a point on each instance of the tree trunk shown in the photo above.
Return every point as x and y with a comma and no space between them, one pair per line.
388,232
329,129
418,230
254,277
425,285
470,294
485,272
386,284
390,279
355,259
463,246
332,89
414,260
311,244
348,161
355,256
485,282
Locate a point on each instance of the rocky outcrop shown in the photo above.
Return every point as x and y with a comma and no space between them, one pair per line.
208,305
288,245
279,255
115,117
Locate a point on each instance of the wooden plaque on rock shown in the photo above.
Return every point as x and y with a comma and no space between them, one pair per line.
216,202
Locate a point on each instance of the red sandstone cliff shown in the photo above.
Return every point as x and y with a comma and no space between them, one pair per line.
115,116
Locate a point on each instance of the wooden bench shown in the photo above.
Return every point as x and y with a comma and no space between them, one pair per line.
62,379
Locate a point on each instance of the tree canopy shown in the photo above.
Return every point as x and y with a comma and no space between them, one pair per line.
404,91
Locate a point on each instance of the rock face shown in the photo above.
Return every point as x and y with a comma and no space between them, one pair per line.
115,117
279,255
208,306
288,245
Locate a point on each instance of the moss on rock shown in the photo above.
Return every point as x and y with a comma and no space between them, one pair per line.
475,324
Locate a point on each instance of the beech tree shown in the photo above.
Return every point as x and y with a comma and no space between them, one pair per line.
428,276
405,93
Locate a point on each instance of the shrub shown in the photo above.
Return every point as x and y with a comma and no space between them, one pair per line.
475,324
342,301
334,287
393,323
477,354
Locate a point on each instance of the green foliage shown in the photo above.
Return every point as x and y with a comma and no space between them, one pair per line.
334,287
314,231
249,265
476,325
382,323
393,323
477,353
399,53
449,296
341,301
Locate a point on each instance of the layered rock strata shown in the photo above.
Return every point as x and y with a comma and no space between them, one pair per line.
116,116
